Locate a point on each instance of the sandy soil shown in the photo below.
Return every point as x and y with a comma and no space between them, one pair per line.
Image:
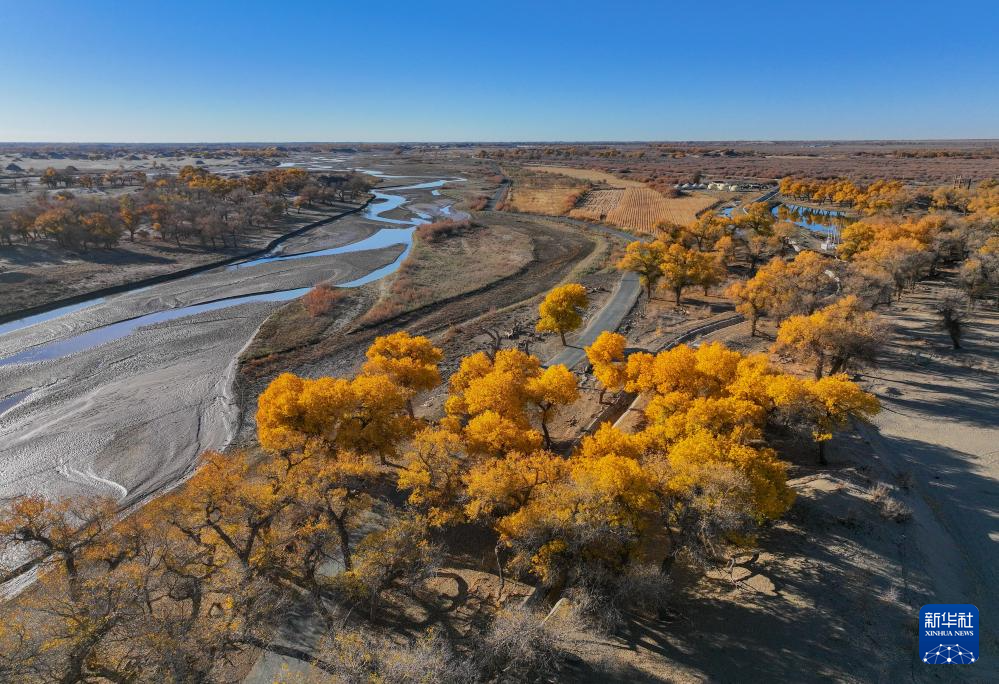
128,417
940,428
832,592
36,274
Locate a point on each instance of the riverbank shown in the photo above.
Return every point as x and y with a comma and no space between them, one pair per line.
39,278
120,396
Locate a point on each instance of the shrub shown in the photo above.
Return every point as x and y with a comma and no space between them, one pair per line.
438,230
522,646
320,300
889,507
601,598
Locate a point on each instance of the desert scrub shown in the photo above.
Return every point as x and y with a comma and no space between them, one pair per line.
320,300
889,507
448,259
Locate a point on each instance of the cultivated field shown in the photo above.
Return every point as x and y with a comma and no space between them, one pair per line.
643,209
621,202
597,204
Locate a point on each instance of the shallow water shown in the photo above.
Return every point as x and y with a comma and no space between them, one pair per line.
28,321
386,237
817,220
7,403
115,331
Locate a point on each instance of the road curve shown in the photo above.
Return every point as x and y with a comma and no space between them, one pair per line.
622,299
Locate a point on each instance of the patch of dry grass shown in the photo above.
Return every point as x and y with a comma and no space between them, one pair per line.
453,263
592,175
543,193
300,323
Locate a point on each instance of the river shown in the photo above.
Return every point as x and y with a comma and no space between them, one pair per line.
118,395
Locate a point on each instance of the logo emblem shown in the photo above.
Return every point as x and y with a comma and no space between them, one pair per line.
948,634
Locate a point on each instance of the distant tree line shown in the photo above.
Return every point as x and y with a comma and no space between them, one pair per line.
194,207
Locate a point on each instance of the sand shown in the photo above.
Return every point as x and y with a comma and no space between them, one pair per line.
129,417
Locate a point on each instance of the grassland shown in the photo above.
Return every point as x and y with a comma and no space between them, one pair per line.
591,175
536,192
439,269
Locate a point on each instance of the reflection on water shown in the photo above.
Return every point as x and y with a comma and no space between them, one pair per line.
827,221
386,237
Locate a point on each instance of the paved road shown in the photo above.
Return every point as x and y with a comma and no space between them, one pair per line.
608,318
614,310
617,307
302,628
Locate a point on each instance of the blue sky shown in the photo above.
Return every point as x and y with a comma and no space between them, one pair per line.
393,71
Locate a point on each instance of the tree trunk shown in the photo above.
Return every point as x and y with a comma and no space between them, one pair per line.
344,535
562,335
677,291
544,431
752,325
822,453
499,571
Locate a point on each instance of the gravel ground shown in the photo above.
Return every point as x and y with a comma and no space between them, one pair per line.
129,417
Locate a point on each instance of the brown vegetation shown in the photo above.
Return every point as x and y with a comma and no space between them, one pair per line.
320,300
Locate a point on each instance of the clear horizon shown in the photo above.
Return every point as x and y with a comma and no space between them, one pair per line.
508,72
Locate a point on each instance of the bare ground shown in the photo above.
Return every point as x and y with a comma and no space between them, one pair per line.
832,592
39,273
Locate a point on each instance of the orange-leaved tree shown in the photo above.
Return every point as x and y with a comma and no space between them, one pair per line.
606,355
561,310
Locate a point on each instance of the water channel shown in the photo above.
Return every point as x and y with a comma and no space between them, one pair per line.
397,231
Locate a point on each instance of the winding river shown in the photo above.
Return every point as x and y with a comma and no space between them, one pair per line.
124,406
400,234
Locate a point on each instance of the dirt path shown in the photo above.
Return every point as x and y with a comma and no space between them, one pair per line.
940,427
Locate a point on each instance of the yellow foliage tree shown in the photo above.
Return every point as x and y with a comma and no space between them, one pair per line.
842,333
705,231
606,355
434,472
645,259
367,413
904,259
561,310
410,362
682,267
554,387
836,400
